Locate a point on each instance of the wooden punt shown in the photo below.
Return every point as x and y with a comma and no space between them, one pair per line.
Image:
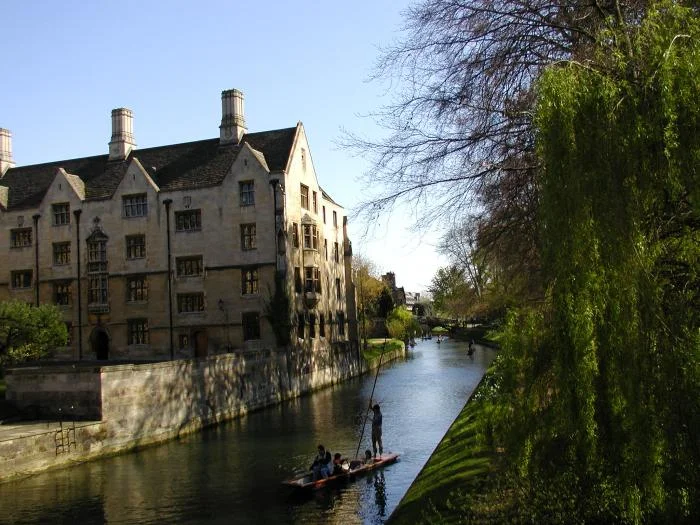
306,481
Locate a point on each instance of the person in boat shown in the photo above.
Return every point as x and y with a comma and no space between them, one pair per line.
355,463
377,430
340,465
470,352
322,465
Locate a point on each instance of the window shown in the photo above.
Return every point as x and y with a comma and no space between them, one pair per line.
247,191
321,325
135,246
188,266
62,294
315,202
295,235
336,252
304,197
188,220
97,289
324,214
136,289
97,255
248,236
20,237
190,302
335,219
251,325
341,323
312,279
61,214
300,325
61,253
21,279
337,288
138,331
297,279
310,236
303,159
312,325
325,247
183,341
249,281
135,205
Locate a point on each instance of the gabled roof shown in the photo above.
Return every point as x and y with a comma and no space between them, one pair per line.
175,167
275,145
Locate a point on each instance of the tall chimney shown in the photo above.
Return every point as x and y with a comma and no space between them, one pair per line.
122,134
6,161
232,126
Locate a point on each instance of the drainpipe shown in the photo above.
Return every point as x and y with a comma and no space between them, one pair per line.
167,203
77,213
36,258
274,183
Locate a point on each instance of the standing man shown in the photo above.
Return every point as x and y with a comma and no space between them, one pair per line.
377,430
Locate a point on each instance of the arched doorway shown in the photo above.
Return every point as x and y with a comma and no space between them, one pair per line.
201,344
99,342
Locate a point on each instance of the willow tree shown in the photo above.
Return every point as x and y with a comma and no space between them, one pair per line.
603,383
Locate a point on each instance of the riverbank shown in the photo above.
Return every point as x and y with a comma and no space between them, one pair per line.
457,468
125,407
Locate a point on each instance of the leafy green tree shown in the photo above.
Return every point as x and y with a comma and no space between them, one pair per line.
452,294
600,385
368,288
402,325
28,333
385,303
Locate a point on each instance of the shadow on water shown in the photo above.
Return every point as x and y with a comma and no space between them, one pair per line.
233,472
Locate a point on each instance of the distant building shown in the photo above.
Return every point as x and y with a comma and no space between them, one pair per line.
398,294
173,250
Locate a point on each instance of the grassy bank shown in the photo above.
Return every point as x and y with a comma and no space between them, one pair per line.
376,346
458,466
480,334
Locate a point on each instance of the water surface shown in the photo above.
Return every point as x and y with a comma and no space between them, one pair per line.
232,473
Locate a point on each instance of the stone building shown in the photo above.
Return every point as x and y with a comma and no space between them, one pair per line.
173,251
397,293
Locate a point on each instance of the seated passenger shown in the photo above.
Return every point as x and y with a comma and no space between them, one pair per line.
337,464
355,463
322,464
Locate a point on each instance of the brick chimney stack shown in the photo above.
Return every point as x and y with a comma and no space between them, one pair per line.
6,161
232,126
122,134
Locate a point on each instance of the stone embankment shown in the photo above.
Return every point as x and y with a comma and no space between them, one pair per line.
90,410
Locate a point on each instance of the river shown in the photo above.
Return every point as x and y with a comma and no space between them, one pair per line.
232,473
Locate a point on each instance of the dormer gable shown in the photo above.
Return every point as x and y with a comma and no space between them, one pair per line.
247,159
4,195
64,187
136,179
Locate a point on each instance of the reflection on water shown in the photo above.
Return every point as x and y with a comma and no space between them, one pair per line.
232,473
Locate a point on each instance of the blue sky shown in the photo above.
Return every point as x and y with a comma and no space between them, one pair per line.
67,64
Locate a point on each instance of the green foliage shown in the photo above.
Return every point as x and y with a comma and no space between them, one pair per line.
401,324
28,333
595,399
452,295
385,303
278,311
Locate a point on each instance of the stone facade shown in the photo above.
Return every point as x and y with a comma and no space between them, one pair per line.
173,252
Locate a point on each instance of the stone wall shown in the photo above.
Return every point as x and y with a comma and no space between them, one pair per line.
142,404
